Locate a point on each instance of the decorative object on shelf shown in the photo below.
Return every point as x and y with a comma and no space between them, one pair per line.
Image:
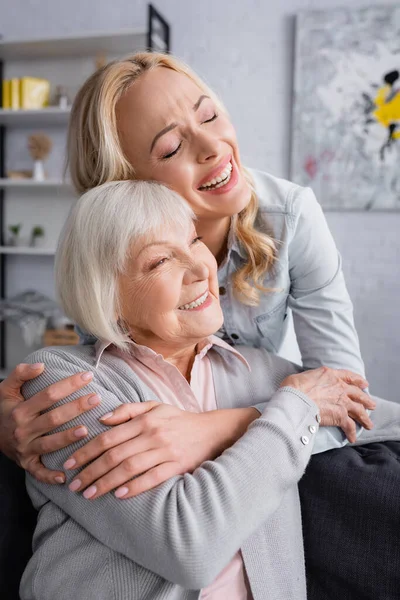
22,174
61,98
346,126
32,313
14,239
37,236
101,60
14,94
34,93
39,145
61,337
6,94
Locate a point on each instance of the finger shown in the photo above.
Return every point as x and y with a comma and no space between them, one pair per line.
23,372
148,480
131,467
61,415
361,397
56,441
128,411
56,392
103,442
349,429
41,473
357,412
109,461
352,378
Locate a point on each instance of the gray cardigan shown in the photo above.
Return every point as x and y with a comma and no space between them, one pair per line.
170,542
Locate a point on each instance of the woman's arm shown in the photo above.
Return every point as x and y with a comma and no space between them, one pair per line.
321,306
187,529
22,429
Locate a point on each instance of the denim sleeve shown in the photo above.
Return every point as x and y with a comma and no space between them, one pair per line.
321,306
84,338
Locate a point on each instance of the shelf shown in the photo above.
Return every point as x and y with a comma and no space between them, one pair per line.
88,44
27,250
30,183
44,116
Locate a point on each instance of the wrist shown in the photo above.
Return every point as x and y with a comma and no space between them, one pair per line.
231,424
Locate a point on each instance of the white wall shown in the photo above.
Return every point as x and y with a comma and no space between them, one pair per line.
244,49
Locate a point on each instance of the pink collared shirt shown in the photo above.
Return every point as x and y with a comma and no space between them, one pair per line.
172,388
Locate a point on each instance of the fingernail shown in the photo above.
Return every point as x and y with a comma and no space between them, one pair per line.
90,492
59,479
80,432
75,485
122,491
71,462
107,416
93,400
87,376
36,366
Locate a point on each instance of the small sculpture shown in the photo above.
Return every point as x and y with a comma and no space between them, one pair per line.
39,145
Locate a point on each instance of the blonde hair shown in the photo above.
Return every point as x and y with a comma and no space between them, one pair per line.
95,243
95,155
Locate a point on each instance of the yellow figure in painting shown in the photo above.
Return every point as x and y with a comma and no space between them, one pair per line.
387,113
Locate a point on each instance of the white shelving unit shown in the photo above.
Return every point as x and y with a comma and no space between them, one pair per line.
31,183
82,44
67,60
37,118
64,60
25,250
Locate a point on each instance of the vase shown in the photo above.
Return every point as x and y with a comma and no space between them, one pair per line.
38,171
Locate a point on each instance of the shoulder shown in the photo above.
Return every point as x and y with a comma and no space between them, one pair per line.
112,374
70,357
276,195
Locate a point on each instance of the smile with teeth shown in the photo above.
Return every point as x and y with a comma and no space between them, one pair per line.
219,181
196,303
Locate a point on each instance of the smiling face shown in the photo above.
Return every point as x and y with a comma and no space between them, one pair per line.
173,133
169,292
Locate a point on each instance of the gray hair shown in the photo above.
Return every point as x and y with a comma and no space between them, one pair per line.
94,246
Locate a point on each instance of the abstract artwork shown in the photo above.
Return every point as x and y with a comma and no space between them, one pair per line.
346,120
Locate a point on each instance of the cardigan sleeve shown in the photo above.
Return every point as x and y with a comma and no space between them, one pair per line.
321,306
187,529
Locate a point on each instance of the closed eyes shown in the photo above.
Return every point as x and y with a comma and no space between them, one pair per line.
171,154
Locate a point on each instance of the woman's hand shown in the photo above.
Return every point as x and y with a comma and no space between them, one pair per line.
23,428
339,396
156,442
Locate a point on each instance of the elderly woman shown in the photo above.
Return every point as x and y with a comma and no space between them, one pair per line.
141,281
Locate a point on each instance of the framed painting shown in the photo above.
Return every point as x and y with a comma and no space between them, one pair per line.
346,115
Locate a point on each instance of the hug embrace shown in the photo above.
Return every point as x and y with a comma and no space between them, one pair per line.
164,452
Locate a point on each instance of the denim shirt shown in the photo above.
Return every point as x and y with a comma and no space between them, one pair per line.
306,278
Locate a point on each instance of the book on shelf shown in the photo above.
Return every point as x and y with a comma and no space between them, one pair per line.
26,93
6,96
14,94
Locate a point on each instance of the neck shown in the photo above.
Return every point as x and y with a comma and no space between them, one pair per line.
182,357
215,235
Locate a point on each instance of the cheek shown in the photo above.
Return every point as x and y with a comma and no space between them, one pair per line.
154,297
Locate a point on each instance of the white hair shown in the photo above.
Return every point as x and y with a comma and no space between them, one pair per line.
94,246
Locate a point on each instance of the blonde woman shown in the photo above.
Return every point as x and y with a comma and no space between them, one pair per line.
150,117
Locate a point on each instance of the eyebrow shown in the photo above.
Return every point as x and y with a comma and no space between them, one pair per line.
161,243
173,125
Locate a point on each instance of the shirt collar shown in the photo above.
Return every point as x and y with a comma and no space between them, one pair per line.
233,243
136,349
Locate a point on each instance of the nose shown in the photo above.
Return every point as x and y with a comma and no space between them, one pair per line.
196,271
209,147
